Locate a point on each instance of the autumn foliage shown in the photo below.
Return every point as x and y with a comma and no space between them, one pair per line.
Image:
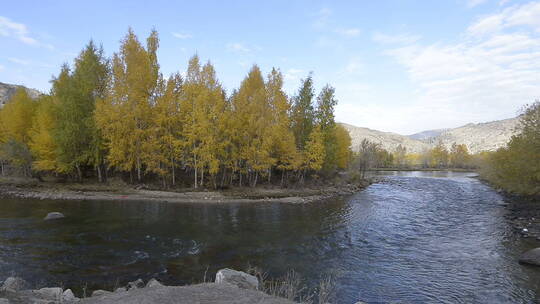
120,115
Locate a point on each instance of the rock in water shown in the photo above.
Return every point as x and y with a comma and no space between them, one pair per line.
531,257
4,301
237,278
54,216
14,284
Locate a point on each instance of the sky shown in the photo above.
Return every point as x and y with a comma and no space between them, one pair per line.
398,66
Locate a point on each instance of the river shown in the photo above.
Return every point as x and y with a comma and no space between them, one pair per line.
416,237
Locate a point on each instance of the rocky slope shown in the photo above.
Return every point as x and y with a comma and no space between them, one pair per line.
7,90
479,137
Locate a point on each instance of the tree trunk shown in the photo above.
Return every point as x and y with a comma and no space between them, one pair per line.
98,169
173,173
196,177
138,170
79,173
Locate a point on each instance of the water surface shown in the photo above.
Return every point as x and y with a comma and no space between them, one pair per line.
417,237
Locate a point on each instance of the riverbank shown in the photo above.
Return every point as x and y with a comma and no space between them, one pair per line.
424,169
24,188
230,286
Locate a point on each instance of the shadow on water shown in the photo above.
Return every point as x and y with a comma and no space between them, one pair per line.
415,237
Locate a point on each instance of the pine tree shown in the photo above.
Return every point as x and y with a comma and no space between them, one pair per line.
76,96
325,119
302,112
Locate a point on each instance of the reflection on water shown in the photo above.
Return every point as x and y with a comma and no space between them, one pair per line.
407,239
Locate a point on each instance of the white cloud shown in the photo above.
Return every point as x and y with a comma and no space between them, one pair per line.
473,3
19,31
293,74
238,47
394,39
485,78
518,16
181,35
19,61
321,17
349,32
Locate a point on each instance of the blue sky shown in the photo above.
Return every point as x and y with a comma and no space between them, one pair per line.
399,66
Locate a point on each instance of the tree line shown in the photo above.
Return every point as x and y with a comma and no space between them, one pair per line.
371,155
516,167
120,115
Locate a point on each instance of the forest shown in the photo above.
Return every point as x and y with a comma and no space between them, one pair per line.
121,116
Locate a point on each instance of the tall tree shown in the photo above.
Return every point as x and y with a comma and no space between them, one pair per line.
302,112
326,102
76,96
42,141
125,115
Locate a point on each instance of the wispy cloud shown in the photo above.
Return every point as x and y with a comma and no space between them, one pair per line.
293,74
238,47
1,67
181,35
473,3
492,74
321,17
19,31
19,61
525,17
395,39
349,32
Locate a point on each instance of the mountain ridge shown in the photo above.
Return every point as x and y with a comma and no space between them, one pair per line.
478,137
8,90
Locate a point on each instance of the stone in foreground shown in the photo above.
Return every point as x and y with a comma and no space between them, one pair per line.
14,284
531,257
54,216
50,293
237,278
208,293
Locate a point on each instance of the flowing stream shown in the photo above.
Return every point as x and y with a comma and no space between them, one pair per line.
416,237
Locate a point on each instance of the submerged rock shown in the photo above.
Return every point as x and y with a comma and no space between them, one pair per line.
531,257
237,278
54,216
14,284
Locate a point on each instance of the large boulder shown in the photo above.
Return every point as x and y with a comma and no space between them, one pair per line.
14,284
54,216
237,278
68,296
99,292
50,293
154,283
531,257
135,284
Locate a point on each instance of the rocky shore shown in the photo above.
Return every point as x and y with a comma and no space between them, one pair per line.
238,195
230,286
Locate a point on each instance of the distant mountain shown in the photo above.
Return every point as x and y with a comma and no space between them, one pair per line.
424,135
7,90
479,137
387,140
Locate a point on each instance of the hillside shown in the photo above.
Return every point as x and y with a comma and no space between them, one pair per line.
487,136
387,140
7,90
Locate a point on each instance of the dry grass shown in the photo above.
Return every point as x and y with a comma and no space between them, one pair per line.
292,287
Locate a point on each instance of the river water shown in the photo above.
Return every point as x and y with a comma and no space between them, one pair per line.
416,237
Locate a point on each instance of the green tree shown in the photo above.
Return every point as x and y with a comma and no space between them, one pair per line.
303,113
76,135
